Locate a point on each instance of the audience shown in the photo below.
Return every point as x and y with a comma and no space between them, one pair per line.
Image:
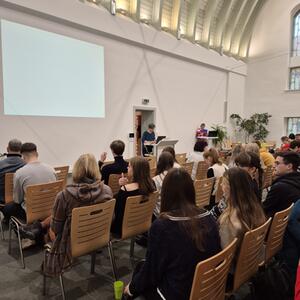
291,137
297,137
86,189
181,237
164,164
10,164
197,155
267,158
172,151
34,172
142,184
243,212
119,166
285,189
295,146
285,144
237,149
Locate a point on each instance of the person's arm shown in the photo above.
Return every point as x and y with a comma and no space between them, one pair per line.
18,193
59,214
157,260
272,200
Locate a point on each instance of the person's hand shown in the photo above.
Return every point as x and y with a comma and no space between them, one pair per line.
51,235
153,142
126,290
123,180
103,156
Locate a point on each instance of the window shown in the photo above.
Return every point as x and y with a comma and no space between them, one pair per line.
295,79
293,125
296,35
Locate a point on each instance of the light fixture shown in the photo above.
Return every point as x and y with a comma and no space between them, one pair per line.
113,6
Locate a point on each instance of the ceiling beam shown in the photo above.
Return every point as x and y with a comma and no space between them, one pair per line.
175,17
156,13
134,9
191,20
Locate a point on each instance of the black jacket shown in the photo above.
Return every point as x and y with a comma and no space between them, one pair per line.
284,191
119,166
11,164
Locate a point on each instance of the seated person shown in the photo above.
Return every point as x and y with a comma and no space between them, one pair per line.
179,239
197,155
119,166
148,139
34,172
142,184
285,144
295,146
172,152
265,155
237,149
10,164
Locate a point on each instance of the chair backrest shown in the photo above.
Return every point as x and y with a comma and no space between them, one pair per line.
203,189
188,166
248,258
201,170
8,187
152,172
40,200
267,177
113,182
90,227
138,215
152,161
181,158
211,274
219,192
276,232
62,173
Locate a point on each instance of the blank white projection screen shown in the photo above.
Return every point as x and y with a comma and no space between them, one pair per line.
47,74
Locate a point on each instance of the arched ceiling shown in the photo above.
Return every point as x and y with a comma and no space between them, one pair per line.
223,25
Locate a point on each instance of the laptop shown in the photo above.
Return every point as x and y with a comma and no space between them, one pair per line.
159,138
212,133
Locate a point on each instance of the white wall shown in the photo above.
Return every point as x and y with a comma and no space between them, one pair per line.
267,81
186,84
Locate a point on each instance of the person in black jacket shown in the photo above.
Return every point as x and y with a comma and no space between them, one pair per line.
119,166
10,164
179,239
285,190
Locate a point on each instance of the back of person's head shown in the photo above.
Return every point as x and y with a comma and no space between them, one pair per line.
117,147
141,174
212,155
171,151
241,198
178,199
165,162
86,169
284,139
14,145
29,151
291,136
200,146
252,147
292,158
294,145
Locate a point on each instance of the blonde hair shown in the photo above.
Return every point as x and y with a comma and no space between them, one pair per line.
252,147
85,167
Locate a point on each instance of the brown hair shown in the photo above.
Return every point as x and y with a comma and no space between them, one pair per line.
178,200
213,153
242,200
117,147
85,167
141,175
171,151
165,162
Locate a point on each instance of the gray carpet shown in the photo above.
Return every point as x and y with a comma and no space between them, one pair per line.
18,283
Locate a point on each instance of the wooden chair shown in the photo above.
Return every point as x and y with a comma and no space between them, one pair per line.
201,170
219,193
181,158
248,257
276,233
137,219
203,189
211,274
113,182
152,161
152,172
267,177
39,200
90,231
62,174
188,166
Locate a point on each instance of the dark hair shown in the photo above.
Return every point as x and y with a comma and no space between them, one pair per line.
165,162
28,148
151,126
200,146
178,199
242,199
202,124
171,151
290,158
141,175
297,134
117,147
14,145
292,136
295,144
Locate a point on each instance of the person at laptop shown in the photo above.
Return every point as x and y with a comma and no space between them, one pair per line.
148,139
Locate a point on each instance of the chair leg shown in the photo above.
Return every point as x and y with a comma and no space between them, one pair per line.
44,284
132,247
20,247
93,261
9,236
112,260
62,286
1,228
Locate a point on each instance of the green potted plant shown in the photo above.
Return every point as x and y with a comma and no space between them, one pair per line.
221,135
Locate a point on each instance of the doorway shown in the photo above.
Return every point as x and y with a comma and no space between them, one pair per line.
143,116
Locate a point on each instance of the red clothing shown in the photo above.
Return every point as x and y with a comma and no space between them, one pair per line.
297,287
201,132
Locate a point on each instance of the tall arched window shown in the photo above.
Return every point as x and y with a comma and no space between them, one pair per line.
296,35
294,67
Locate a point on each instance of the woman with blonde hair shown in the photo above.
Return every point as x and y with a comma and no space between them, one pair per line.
86,189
